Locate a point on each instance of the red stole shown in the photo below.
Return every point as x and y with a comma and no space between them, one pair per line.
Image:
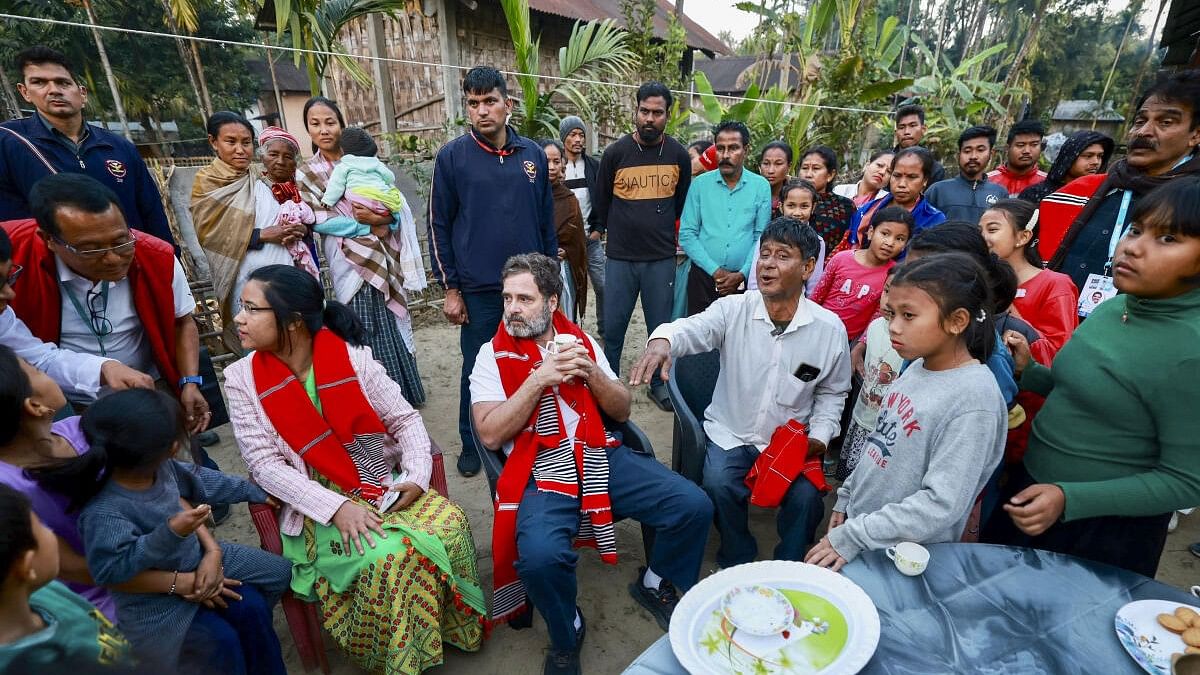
39,301
346,444
779,465
539,445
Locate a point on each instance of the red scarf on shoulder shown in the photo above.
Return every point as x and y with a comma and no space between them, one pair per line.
345,444
543,450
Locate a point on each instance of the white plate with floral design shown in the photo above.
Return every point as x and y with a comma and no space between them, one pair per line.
1150,645
833,630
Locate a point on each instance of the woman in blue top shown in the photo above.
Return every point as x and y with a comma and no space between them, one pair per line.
911,169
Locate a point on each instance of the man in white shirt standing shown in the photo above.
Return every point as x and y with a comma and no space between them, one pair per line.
580,174
783,357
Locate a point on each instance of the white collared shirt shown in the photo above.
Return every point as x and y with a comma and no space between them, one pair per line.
758,390
76,373
127,343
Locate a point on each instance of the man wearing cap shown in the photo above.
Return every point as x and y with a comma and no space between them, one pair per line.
580,171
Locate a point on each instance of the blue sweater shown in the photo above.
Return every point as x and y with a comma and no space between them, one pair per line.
125,532
485,206
103,155
924,214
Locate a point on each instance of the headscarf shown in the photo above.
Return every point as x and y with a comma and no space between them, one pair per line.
1056,177
276,133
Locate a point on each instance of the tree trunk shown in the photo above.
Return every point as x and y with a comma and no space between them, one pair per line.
679,10
275,88
1133,12
108,71
1137,85
1039,10
183,57
208,106
10,100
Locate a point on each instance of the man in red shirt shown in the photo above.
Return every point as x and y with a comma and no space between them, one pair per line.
1020,169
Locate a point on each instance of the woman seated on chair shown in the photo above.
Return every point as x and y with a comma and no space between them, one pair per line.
242,220
390,561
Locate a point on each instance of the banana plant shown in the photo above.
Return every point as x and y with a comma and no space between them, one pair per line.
315,24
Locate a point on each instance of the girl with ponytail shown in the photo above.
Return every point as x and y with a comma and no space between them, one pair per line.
130,491
941,425
1045,299
325,430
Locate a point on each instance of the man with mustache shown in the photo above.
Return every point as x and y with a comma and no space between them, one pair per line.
540,390
1020,170
643,182
725,213
1162,147
969,194
56,139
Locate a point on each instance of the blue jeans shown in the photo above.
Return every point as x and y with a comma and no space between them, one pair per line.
724,481
640,488
484,313
238,640
624,281
596,263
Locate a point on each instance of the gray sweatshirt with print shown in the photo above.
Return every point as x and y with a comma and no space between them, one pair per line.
938,437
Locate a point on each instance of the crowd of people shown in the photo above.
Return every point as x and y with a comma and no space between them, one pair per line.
1003,356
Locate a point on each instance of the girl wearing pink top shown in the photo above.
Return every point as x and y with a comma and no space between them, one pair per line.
853,280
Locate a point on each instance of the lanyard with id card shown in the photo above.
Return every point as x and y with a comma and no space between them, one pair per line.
1099,287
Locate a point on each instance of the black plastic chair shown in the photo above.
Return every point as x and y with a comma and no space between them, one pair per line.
693,379
631,435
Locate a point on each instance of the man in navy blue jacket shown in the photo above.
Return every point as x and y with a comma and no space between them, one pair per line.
56,139
490,200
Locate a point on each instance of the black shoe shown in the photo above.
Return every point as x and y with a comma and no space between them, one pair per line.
208,438
566,662
469,463
660,603
658,394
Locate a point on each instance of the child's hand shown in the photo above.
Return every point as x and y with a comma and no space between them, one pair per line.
1019,346
858,361
824,555
835,520
210,575
188,521
1036,508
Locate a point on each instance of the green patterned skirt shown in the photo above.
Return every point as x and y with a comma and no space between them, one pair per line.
392,609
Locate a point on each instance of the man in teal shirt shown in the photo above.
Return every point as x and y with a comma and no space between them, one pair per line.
725,213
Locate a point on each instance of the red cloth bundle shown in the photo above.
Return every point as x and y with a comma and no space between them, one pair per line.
777,467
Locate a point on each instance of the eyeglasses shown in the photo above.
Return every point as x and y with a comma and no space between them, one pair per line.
13,275
120,249
97,307
250,309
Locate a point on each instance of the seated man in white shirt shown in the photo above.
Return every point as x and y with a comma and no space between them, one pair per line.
79,375
783,357
566,478
93,285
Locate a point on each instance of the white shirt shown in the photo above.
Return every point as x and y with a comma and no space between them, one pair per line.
127,342
75,373
757,390
487,388
583,195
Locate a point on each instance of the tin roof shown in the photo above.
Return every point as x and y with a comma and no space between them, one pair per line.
589,10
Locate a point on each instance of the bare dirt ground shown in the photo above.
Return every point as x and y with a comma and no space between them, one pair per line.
618,628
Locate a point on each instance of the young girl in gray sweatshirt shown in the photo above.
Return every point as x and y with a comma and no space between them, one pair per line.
941,426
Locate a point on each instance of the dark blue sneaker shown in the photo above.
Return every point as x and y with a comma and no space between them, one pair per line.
659,602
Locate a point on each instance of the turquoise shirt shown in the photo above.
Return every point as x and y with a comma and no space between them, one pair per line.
719,225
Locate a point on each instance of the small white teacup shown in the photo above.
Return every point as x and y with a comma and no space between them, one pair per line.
911,559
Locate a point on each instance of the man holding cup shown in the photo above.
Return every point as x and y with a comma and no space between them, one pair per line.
539,392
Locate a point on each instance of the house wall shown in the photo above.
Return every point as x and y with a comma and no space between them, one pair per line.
481,37
1068,127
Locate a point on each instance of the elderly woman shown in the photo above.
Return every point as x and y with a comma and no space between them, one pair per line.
372,274
239,221
390,561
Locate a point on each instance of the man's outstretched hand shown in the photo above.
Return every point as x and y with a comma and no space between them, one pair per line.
657,356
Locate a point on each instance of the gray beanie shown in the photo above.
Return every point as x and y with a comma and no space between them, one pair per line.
569,123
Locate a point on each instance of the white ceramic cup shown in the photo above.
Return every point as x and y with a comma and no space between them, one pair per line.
911,559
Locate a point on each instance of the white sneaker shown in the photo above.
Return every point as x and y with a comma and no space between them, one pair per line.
1174,522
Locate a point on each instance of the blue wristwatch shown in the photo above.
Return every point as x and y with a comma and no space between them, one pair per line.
191,379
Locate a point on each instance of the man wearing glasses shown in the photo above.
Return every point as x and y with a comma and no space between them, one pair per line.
93,285
57,139
79,375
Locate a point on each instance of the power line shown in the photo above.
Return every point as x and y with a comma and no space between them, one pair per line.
388,59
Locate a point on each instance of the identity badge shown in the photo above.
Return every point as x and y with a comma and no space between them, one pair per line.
1096,290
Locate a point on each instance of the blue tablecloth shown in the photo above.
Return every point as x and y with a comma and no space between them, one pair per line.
988,609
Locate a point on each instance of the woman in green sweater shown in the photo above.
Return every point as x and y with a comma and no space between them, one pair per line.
1113,452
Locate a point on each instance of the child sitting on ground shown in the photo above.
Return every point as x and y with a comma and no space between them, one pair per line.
130,490
941,425
44,626
853,280
360,178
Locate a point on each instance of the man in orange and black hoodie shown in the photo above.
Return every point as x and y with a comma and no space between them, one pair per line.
643,182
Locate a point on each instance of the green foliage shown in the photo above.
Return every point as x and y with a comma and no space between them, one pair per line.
595,51
654,58
315,24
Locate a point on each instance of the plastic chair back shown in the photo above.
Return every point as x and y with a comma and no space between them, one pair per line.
690,388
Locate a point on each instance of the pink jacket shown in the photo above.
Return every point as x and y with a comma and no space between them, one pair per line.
281,472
